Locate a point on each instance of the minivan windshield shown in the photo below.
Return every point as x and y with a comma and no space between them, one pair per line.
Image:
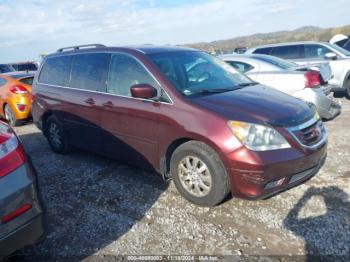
195,72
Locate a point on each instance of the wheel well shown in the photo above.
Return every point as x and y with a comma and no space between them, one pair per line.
346,79
44,118
3,108
170,150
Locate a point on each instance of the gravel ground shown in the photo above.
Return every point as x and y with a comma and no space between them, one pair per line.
97,206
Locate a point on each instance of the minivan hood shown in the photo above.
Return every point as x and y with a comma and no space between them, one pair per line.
257,104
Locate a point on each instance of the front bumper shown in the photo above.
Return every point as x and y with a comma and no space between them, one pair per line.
257,176
28,234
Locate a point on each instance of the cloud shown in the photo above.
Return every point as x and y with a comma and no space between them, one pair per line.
29,27
277,6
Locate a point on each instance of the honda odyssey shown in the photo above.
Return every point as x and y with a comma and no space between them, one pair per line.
181,112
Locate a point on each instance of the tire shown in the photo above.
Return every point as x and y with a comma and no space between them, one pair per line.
10,116
199,174
57,136
347,88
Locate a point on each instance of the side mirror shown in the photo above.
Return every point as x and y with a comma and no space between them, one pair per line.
330,56
144,91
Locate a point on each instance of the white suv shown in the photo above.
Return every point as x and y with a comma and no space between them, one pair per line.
314,52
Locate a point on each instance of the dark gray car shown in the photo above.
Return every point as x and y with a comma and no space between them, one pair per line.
21,212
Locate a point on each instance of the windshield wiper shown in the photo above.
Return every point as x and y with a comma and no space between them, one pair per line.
247,84
212,91
222,90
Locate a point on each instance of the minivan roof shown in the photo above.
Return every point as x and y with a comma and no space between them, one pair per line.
145,49
151,49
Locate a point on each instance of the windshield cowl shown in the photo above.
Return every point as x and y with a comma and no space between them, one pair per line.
219,90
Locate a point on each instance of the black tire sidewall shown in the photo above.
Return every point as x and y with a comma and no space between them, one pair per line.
347,91
64,148
15,121
219,189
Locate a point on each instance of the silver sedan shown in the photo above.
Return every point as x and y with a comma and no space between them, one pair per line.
304,82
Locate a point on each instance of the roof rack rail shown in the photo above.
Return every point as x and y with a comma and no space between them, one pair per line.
77,47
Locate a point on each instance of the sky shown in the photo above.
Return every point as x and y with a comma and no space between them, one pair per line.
32,27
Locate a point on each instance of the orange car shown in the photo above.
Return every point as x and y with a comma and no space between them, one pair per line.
16,96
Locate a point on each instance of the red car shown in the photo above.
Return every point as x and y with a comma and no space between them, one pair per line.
210,129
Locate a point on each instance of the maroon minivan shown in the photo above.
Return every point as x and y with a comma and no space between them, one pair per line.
181,112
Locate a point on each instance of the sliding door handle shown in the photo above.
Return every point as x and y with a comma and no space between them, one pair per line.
108,104
90,101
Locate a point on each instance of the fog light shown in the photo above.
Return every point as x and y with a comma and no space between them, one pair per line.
275,183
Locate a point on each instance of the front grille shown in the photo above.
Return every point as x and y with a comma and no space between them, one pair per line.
310,134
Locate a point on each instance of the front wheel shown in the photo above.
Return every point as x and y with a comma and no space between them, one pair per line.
57,136
199,174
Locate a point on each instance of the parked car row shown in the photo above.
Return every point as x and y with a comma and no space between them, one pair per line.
314,52
21,66
187,115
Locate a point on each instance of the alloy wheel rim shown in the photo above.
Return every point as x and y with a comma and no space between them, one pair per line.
195,176
55,136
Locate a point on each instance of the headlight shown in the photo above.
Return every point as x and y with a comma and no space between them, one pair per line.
258,137
317,116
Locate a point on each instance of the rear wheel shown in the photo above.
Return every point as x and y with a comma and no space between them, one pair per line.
347,90
199,174
57,136
10,116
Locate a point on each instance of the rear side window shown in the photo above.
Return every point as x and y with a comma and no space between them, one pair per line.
90,71
287,52
124,72
240,66
27,80
56,71
316,51
263,51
